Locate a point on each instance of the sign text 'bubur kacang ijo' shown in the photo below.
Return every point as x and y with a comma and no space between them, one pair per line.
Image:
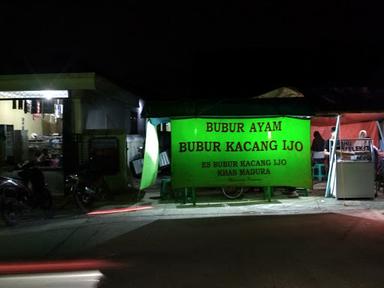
240,146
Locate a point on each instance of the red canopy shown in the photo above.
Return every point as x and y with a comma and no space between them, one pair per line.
347,119
350,125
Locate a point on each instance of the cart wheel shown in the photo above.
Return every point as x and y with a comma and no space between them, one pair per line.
232,192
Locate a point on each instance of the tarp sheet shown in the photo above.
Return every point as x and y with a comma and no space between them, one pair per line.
151,157
351,125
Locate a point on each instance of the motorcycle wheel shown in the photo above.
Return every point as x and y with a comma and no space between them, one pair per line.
232,192
11,211
84,197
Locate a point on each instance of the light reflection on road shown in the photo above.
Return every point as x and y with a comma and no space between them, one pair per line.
83,279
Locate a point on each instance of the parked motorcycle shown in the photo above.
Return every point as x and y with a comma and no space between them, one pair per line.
22,194
87,187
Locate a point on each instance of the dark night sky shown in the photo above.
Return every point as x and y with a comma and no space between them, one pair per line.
170,50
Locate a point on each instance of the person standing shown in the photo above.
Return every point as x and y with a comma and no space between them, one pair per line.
317,148
328,147
329,142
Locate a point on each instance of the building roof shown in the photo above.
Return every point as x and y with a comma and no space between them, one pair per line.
67,81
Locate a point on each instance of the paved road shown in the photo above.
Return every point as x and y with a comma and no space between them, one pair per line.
318,250
307,250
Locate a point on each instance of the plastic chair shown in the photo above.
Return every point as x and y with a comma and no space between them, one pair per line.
318,171
165,188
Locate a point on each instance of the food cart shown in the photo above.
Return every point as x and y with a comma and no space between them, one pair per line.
353,161
263,142
355,169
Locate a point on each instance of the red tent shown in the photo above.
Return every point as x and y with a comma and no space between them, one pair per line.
350,125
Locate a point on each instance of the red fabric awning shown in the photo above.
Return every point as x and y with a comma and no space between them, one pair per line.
350,125
347,118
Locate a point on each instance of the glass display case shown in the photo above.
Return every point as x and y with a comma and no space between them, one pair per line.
355,150
355,168
52,145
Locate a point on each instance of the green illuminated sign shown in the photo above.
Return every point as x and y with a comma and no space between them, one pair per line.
208,152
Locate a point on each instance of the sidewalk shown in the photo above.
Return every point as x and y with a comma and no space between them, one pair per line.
212,203
253,204
71,231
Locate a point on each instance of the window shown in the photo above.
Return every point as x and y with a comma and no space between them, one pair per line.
104,155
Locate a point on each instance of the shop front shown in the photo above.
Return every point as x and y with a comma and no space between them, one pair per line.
31,129
51,118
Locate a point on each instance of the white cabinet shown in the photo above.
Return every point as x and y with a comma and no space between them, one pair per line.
355,169
355,179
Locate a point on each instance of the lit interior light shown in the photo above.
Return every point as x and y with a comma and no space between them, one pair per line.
47,94
141,106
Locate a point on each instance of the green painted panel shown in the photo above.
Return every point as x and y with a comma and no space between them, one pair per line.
215,152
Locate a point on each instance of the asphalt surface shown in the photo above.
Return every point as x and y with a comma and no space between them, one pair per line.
303,242
317,250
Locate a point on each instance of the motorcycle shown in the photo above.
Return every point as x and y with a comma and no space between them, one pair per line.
86,187
89,188
22,194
